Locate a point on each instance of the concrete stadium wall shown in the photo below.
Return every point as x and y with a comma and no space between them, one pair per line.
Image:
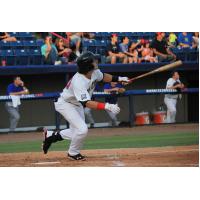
41,112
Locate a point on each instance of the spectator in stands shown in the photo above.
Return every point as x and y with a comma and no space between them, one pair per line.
113,88
75,39
72,56
185,40
147,53
15,90
125,50
195,43
133,51
6,37
113,51
63,52
172,40
88,36
50,52
160,49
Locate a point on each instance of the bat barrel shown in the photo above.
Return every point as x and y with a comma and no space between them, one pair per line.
160,69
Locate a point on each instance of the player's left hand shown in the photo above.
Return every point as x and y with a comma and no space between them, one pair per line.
123,79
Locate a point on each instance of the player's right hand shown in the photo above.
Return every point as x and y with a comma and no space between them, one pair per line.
114,108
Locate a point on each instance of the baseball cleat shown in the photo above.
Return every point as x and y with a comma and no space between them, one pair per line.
48,140
77,157
46,143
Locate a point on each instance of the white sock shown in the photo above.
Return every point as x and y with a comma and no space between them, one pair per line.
49,133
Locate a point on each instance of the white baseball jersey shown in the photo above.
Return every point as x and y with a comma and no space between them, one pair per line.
80,88
170,83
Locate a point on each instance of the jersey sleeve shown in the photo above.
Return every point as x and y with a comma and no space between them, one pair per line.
119,85
80,92
106,86
98,75
170,83
9,89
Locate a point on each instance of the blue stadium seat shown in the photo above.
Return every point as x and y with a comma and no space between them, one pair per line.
25,36
13,34
4,45
35,57
30,44
8,56
89,45
100,43
16,45
39,42
22,57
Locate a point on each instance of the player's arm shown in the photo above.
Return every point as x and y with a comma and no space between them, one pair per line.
102,106
112,90
110,78
19,93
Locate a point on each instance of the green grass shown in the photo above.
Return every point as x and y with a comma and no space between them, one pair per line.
108,142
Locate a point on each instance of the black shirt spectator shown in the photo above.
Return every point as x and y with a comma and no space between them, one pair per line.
113,51
161,50
160,46
114,48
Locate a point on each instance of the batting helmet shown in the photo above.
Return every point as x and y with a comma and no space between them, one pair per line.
86,62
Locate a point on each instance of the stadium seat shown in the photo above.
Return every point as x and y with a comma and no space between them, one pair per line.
30,44
39,42
22,57
16,45
13,34
89,45
4,45
8,56
35,57
25,36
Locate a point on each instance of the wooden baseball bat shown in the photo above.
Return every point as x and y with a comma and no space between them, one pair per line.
160,69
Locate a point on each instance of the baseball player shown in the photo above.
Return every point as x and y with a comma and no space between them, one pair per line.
113,87
171,99
75,96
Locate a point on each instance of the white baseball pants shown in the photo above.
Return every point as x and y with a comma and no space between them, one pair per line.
88,115
78,128
171,109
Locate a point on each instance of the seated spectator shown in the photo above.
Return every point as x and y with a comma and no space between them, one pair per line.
113,87
185,40
160,49
6,37
195,43
63,52
75,39
72,56
172,40
113,52
147,53
88,36
50,52
125,50
134,52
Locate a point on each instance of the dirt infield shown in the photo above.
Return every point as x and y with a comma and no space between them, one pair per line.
176,156
183,156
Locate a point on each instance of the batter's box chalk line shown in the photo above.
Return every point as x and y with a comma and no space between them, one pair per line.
46,163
